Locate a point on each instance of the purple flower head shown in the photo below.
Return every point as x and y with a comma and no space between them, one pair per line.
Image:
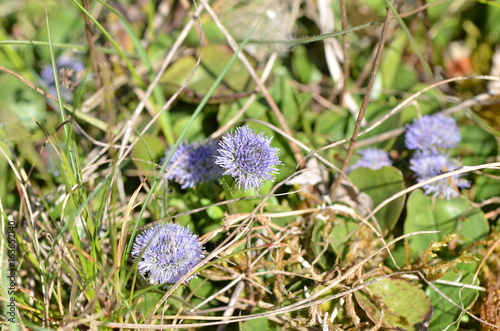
373,158
433,133
70,73
194,164
166,252
427,165
248,157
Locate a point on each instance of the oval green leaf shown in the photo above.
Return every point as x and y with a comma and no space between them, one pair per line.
379,185
456,215
447,315
406,306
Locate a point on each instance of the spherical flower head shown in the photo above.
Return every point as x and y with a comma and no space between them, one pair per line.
193,164
166,252
248,157
433,133
372,158
70,73
427,165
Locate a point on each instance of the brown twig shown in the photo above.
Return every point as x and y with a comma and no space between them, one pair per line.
92,55
28,83
364,105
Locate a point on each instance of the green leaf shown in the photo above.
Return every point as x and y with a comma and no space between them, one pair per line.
427,104
231,191
148,149
375,111
379,185
321,233
477,145
491,24
487,185
340,235
288,103
456,215
333,126
446,315
336,232
405,305
215,212
213,62
20,103
392,59
254,324
194,132
405,78
201,287
60,19
302,65
227,111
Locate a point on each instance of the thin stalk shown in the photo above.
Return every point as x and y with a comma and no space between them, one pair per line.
364,105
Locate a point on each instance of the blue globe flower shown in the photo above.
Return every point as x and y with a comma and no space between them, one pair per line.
166,252
427,165
248,157
70,73
433,133
194,164
372,158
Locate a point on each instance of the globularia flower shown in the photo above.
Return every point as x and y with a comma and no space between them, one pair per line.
248,157
194,164
166,252
432,133
70,73
373,158
427,165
